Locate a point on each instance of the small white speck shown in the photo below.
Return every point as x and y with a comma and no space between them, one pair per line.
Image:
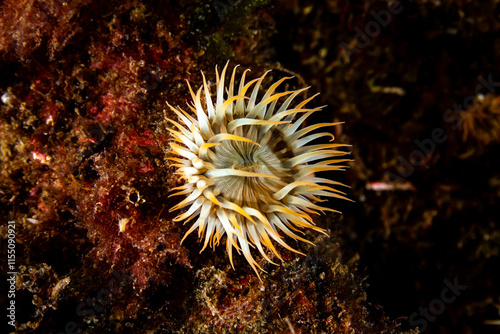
7,98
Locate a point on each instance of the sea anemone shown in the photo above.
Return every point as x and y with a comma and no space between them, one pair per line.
248,166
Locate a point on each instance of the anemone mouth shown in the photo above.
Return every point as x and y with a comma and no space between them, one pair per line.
249,158
250,167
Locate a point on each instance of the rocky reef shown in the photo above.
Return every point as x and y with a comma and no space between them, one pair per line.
84,175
